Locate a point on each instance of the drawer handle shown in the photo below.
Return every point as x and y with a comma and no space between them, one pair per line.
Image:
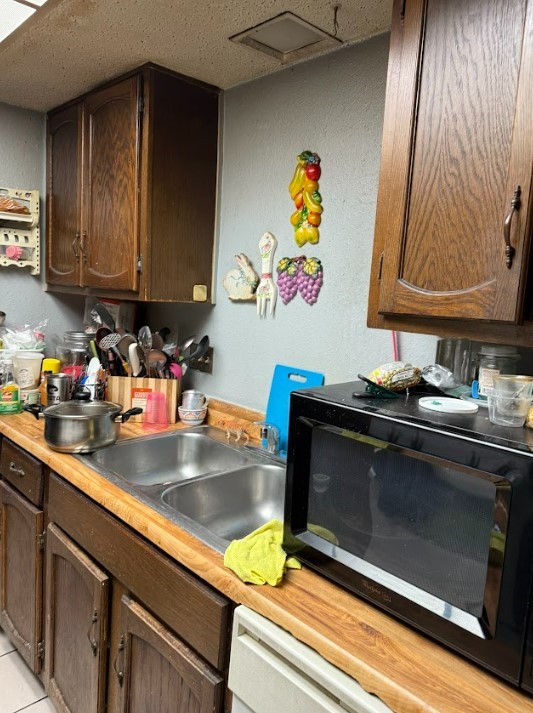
93,642
515,205
120,674
14,468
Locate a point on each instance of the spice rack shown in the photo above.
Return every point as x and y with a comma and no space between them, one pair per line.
19,232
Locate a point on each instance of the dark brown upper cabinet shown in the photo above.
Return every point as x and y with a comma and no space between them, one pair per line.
453,222
132,172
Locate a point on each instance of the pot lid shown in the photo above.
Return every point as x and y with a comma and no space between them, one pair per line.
83,409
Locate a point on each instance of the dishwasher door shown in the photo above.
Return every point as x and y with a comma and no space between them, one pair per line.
271,671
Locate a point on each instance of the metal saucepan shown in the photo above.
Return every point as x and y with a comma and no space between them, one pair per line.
81,425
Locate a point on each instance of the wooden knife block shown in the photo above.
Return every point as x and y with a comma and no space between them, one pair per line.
131,392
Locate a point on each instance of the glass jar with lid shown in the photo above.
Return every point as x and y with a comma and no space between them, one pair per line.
494,360
74,349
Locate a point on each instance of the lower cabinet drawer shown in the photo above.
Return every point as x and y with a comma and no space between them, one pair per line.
23,471
198,614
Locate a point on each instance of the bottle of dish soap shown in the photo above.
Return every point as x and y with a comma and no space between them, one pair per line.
9,390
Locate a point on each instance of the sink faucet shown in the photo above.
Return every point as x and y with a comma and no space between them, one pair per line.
270,434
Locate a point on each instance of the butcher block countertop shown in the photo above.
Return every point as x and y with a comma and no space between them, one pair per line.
409,672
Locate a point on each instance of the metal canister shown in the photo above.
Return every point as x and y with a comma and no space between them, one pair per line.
57,388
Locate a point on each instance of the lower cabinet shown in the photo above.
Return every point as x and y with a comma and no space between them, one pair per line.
76,614
21,568
127,629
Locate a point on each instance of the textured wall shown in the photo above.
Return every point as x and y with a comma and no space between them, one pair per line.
333,106
22,137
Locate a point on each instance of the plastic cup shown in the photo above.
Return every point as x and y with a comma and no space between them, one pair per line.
508,411
513,386
27,366
156,408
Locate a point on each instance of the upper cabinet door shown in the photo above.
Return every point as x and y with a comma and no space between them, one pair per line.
64,191
109,240
453,220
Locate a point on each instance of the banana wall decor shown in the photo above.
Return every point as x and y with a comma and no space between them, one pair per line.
304,192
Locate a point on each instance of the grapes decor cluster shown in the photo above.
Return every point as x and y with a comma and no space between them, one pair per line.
299,274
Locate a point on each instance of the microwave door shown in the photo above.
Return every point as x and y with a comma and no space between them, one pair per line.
409,525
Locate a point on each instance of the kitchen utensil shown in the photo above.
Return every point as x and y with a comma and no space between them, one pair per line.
124,345
136,359
157,360
203,346
285,380
267,290
156,408
183,347
193,399
373,390
109,343
145,339
81,425
176,370
157,341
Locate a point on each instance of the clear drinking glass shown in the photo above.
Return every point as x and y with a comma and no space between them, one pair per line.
508,411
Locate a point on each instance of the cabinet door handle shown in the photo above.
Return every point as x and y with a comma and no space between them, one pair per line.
120,674
92,641
75,244
82,245
14,468
515,205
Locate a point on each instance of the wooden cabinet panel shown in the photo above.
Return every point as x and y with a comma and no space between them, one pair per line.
457,144
23,471
197,613
21,573
110,241
158,672
64,137
77,604
143,157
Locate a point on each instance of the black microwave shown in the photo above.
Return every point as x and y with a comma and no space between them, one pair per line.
427,515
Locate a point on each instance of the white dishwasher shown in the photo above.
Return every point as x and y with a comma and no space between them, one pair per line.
271,671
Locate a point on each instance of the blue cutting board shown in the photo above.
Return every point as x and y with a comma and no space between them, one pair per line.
285,380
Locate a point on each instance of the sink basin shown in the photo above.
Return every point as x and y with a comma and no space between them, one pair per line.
232,504
167,458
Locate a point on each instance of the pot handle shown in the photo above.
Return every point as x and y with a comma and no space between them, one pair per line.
36,410
123,417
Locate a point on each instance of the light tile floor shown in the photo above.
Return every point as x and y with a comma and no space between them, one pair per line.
20,690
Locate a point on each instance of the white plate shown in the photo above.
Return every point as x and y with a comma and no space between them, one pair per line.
447,404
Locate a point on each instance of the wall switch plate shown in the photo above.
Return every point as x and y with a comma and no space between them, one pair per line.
204,363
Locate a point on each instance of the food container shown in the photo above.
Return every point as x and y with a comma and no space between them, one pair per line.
80,425
494,360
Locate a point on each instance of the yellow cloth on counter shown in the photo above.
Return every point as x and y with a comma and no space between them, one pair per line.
259,557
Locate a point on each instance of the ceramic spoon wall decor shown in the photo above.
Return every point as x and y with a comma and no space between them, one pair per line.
267,290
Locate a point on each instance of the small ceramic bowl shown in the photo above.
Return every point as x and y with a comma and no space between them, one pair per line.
192,417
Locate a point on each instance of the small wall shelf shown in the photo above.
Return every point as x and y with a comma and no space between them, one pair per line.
19,232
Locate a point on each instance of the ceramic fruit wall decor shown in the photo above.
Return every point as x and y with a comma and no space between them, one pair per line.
304,192
300,274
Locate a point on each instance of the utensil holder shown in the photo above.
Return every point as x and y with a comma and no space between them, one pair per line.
131,392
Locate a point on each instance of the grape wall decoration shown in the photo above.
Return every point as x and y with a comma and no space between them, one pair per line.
307,199
299,274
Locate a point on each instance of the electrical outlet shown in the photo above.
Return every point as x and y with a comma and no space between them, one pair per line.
204,363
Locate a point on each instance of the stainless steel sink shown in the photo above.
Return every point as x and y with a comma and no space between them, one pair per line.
230,505
218,491
165,458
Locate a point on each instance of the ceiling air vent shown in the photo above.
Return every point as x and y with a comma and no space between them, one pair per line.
287,38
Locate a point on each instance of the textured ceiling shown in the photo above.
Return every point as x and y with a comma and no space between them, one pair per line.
73,45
